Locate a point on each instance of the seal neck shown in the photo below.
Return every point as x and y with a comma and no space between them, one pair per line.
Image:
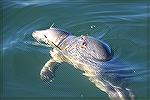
68,41
57,36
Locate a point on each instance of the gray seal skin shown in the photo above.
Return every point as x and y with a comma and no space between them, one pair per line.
86,54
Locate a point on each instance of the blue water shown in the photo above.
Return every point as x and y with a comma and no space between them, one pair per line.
122,25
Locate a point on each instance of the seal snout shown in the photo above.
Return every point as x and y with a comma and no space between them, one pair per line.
38,35
34,34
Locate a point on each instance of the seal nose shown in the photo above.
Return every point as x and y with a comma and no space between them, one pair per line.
36,35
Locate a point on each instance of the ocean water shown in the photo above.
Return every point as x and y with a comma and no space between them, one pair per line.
122,25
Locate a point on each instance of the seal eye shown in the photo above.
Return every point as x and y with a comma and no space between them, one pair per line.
84,44
45,36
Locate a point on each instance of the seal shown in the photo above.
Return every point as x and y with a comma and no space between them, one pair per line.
85,53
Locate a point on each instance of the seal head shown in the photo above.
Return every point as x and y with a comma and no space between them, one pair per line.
51,36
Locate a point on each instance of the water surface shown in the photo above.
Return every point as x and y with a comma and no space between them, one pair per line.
124,26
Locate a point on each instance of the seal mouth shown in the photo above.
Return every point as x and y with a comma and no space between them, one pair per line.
38,37
34,35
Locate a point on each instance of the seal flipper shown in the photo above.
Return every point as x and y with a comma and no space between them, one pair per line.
48,71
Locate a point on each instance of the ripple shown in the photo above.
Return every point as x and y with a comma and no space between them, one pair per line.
90,28
20,35
22,4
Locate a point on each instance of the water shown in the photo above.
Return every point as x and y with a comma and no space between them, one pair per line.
123,25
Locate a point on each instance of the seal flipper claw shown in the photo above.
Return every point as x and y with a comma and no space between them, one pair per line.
46,74
48,71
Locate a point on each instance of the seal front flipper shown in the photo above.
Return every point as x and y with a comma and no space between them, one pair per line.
48,71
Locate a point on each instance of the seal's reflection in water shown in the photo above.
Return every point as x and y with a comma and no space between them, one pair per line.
115,79
88,54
